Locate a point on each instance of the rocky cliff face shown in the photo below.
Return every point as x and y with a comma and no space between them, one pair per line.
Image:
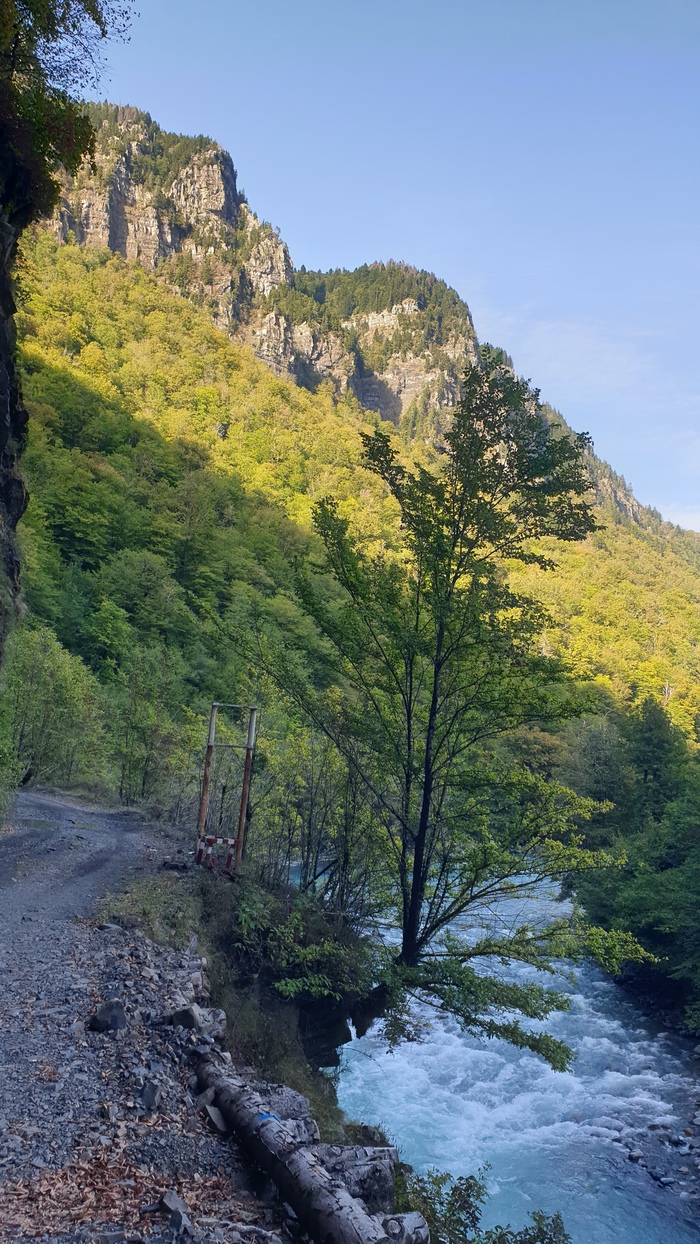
407,381
158,211
173,205
13,424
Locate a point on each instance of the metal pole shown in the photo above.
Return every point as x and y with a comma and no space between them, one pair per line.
245,791
204,801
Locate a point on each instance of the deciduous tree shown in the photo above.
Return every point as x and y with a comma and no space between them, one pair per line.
430,657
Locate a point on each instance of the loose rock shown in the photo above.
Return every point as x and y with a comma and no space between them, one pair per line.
110,1018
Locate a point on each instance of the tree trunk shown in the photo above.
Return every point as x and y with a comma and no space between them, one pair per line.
409,943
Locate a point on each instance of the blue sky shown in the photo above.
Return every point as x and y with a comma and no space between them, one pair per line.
542,156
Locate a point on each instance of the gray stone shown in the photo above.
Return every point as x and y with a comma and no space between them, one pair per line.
188,1017
407,1228
217,1119
109,1018
150,1095
205,1099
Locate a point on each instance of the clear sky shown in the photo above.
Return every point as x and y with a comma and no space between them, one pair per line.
542,156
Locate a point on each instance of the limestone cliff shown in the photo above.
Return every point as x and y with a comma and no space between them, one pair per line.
397,338
173,204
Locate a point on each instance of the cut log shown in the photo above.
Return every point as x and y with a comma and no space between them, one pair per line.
320,1200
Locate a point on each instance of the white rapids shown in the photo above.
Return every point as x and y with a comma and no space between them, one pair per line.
553,1140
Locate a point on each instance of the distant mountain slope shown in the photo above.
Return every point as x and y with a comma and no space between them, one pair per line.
167,463
396,337
395,340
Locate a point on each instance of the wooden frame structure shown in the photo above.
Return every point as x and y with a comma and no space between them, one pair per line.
206,843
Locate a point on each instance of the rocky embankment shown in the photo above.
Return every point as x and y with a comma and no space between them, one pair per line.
99,1115
106,1040
669,1156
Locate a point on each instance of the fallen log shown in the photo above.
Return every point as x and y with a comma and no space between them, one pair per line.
320,1200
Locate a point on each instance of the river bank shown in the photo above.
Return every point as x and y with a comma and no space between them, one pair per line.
612,1145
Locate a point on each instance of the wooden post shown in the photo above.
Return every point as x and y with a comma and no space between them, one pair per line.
245,790
204,800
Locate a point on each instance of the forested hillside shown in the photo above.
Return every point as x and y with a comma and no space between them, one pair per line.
172,478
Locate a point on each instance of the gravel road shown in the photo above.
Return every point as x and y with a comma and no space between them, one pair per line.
95,1125
57,857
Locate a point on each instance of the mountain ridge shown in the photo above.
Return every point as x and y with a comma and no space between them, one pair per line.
398,338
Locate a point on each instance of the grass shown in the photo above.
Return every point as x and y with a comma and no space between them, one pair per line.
165,904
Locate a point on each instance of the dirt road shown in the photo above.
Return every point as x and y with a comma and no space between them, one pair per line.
95,1125
58,856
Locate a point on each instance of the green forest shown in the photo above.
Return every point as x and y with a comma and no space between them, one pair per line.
175,487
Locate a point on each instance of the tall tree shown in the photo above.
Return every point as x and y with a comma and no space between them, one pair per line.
431,657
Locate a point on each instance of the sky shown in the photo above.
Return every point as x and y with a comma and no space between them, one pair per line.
541,156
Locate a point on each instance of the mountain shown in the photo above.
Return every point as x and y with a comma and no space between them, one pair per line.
394,340
396,337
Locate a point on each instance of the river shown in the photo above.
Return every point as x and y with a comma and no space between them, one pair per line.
554,1140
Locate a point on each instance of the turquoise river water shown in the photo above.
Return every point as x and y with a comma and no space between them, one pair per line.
554,1141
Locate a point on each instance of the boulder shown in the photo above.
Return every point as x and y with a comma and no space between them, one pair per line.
109,1018
190,1016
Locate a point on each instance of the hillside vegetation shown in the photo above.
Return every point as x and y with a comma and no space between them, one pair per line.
172,478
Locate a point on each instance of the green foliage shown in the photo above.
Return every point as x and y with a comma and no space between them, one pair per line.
52,711
624,607
48,51
452,1209
141,538
654,892
287,943
379,287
